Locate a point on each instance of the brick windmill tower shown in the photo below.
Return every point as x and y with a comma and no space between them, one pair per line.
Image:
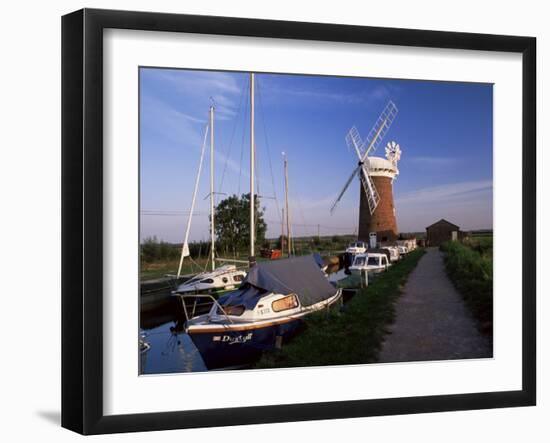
376,207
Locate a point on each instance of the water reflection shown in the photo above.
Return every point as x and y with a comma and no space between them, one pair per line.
171,349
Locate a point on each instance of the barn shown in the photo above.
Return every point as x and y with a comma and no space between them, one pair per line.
442,231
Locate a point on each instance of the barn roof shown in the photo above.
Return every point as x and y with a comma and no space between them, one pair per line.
443,222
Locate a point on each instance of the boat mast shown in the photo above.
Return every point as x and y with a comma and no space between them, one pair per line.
212,239
286,205
251,259
282,230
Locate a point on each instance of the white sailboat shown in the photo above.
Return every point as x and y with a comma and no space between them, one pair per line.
217,280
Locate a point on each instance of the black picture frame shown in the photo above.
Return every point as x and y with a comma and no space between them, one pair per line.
82,218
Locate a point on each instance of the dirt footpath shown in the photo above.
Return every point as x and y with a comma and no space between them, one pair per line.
432,321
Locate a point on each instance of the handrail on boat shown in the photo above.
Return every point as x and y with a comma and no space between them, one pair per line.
231,260
196,296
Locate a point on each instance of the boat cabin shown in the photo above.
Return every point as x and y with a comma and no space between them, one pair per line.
394,252
357,247
371,262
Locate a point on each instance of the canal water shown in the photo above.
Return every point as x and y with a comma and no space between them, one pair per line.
170,349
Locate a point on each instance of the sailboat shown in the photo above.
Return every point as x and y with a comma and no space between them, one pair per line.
217,280
268,307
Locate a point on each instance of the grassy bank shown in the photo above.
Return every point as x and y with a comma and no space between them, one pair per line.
470,267
352,336
159,268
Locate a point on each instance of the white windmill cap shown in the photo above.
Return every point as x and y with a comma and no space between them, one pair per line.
379,166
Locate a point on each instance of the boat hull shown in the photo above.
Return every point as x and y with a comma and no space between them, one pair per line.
225,348
370,271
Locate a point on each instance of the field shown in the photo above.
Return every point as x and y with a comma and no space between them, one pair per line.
469,264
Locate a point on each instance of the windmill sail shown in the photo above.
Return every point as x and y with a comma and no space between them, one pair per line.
370,190
380,128
354,173
353,139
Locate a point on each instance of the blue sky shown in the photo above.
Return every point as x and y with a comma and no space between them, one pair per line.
444,130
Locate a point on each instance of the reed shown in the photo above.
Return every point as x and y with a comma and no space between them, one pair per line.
470,267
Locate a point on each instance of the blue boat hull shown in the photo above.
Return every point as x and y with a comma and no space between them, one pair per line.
239,348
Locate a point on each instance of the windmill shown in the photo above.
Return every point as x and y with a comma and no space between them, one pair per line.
376,174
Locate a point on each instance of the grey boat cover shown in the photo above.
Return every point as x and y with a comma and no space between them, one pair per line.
297,275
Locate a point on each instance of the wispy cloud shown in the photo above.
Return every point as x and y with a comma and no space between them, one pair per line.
433,161
221,87
444,193
168,123
344,98
317,94
193,81
468,204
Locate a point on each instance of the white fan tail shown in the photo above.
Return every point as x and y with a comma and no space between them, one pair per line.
393,152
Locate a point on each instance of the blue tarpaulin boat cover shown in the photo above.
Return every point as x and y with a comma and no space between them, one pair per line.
297,275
